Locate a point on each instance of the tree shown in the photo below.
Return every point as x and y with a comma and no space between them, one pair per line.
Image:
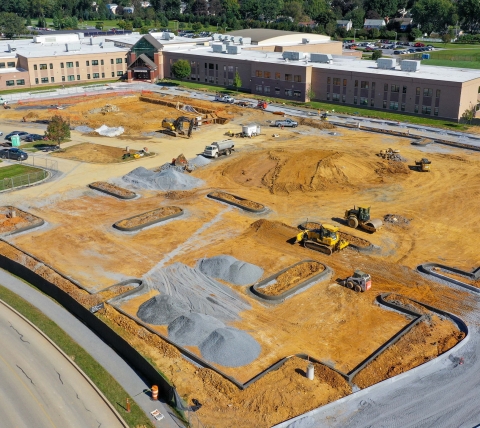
11,24
99,25
432,15
377,54
144,30
181,69
310,93
469,114
382,7
196,26
58,129
469,10
237,81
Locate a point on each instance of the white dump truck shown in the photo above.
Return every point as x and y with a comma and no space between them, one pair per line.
251,130
224,147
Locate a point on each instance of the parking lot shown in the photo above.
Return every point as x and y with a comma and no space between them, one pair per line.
390,48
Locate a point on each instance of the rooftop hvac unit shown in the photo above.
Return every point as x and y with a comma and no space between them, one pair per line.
386,63
171,36
165,36
234,49
245,40
294,56
236,40
305,41
410,65
216,37
96,40
323,58
108,44
72,47
218,48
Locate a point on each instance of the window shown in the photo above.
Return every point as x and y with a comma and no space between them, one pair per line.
10,82
384,104
118,60
277,91
69,64
88,63
266,74
404,90
373,86
113,74
78,76
258,88
372,102
355,101
88,76
437,93
71,77
111,60
288,77
101,62
402,107
266,89
335,97
363,101
393,105
210,66
20,82
356,83
62,65
51,66
385,87
2,65
36,80
10,64
363,85
119,73
427,92
435,111
96,75
415,110
288,92
336,81
297,94
328,81
125,60
103,75
258,73
344,82
417,91
298,78
63,78
44,79
344,98
95,62
34,65
395,88
328,96
426,110
277,76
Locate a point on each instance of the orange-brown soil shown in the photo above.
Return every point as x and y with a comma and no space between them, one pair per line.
117,190
12,218
89,152
148,217
474,282
239,201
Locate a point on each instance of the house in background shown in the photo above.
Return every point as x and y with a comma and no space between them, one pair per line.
374,23
403,23
129,9
345,24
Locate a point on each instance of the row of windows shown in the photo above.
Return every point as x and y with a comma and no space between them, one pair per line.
9,64
288,92
20,82
288,77
70,64
69,78
427,92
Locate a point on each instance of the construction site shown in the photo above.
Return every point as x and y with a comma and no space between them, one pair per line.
268,281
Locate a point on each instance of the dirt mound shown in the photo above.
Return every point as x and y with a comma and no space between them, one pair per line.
396,220
311,170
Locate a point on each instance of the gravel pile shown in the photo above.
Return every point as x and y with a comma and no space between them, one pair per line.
161,310
230,347
199,161
397,158
168,165
230,269
192,329
168,179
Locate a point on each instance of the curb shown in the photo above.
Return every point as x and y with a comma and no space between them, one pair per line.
48,177
24,228
75,366
252,210
149,223
112,193
425,268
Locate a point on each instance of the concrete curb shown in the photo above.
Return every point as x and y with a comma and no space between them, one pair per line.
48,177
112,193
74,365
425,268
149,223
252,210
27,227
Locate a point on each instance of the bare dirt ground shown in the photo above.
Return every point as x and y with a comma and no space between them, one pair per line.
302,175
89,152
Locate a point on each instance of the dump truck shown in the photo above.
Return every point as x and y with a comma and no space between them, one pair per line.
361,217
359,281
224,147
423,165
325,239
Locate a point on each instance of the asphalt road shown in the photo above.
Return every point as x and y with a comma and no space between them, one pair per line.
39,386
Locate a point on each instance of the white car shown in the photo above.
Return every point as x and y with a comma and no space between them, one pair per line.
225,99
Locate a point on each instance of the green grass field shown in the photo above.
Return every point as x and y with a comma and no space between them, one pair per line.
14,170
51,88
104,381
450,63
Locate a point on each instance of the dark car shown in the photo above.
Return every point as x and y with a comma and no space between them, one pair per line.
6,144
47,147
398,52
13,153
21,134
33,137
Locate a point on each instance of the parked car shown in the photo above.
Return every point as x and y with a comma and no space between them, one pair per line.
369,49
21,134
47,147
398,52
13,153
286,122
419,45
225,99
1,133
5,144
34,137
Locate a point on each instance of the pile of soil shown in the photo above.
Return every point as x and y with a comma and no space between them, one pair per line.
292,277
392,168
407,304
115,291
178,194
94,153
232,198
466,280
310,225
355,240
10,223
112,188
148,217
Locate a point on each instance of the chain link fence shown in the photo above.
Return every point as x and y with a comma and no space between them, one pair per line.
11,183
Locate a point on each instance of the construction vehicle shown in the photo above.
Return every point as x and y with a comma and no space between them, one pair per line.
262,104
359,281
361,217
325,239
175,127
388,154
224,147
423,165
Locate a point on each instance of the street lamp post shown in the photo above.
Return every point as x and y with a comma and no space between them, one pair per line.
395,45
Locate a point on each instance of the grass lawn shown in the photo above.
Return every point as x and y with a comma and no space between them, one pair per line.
450,63
14,170
104,381
47,88
453,45
339,108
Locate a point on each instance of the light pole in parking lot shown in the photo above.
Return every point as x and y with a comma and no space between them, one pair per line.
395,45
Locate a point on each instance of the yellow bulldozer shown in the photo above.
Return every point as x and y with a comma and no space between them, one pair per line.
325,239
360,216
423,165
175,127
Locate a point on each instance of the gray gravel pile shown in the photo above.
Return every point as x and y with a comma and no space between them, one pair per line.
192,329
168,165
161,310
230,347
169,179
230,269
199,161
198,291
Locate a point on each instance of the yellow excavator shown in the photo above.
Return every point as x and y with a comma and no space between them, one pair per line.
175,127
360,216
325,239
